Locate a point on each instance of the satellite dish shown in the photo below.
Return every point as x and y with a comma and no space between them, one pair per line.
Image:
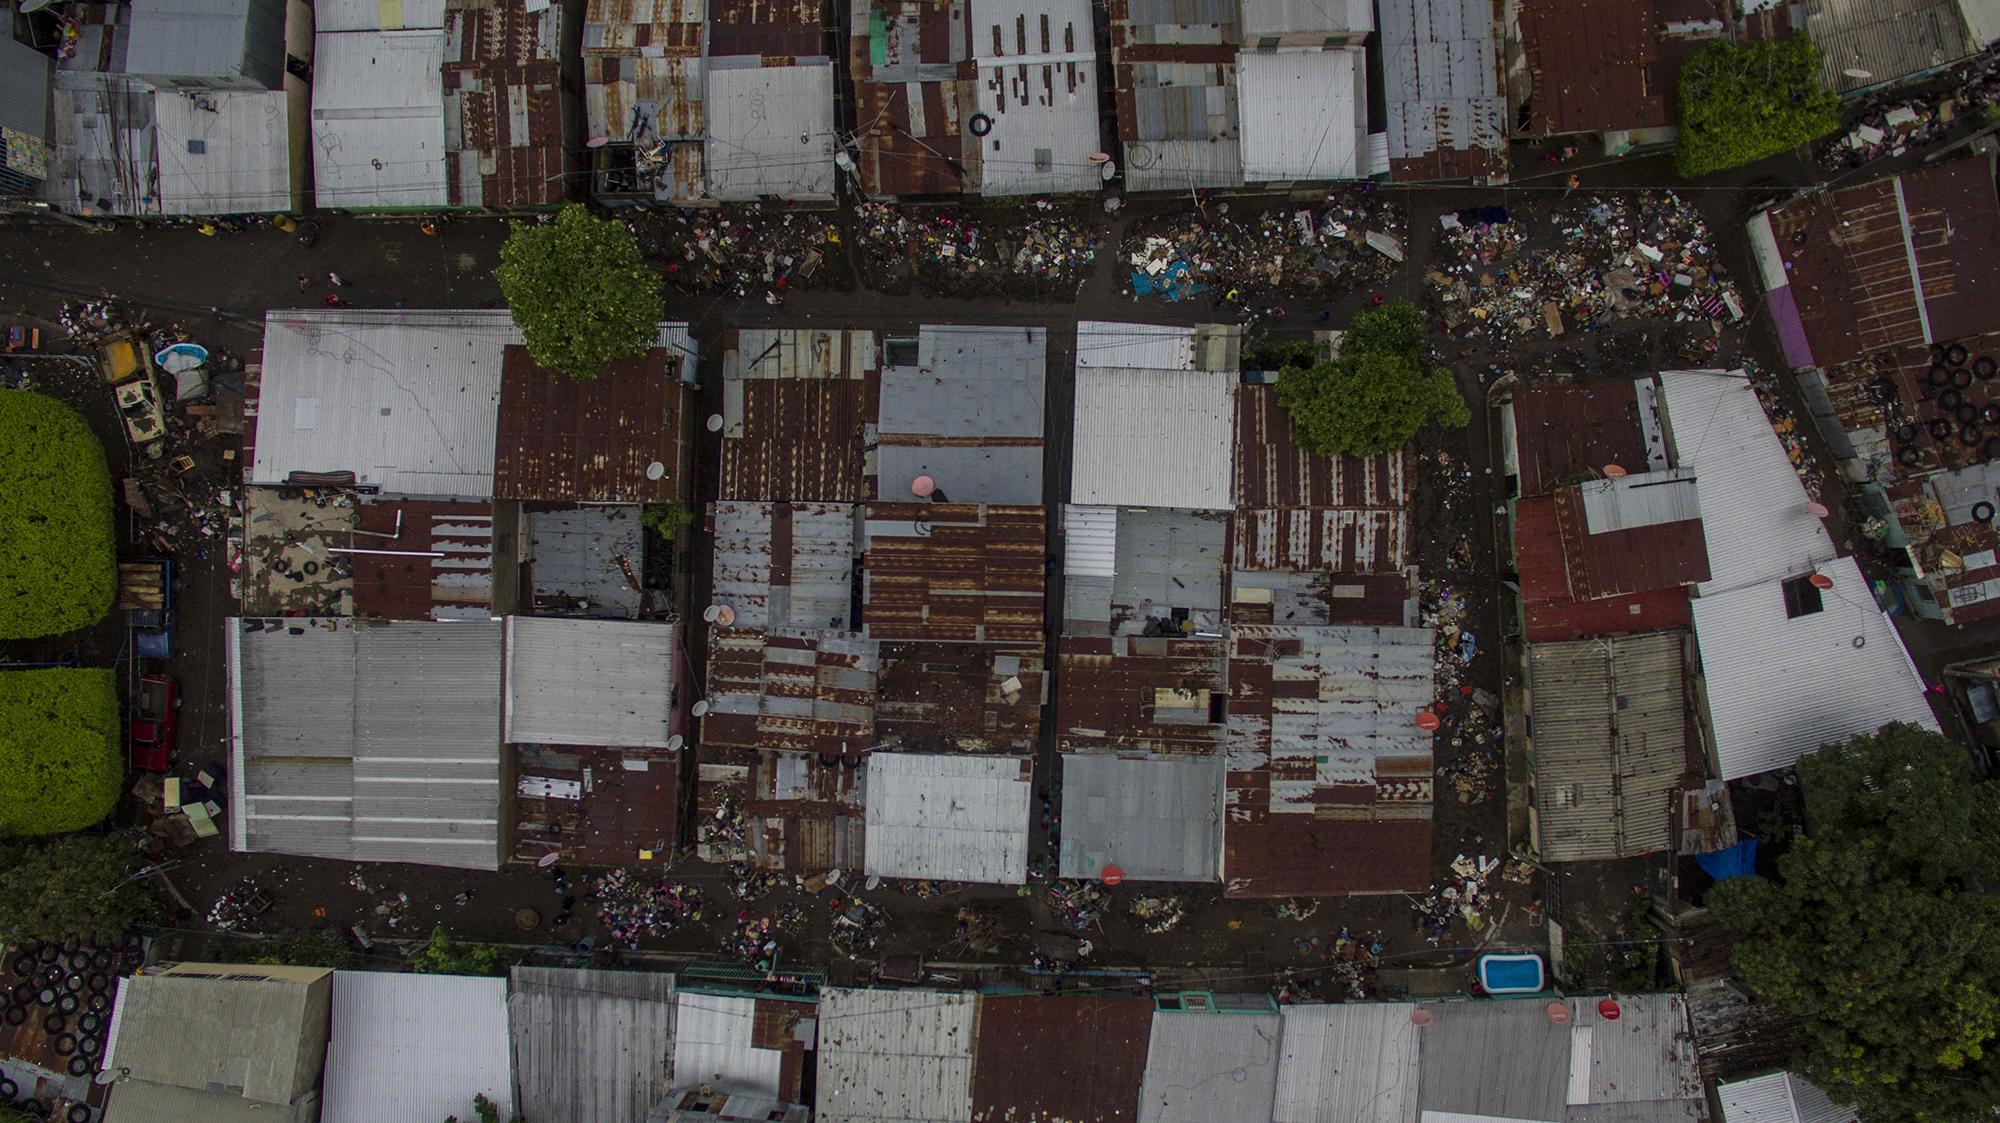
709,614
701,708
1100,157
656,470
548,859
1426,720
675,742
1613,472
1857,72
1558,1012
1817,510
597,142
715,423
1112,875
724,615
922,486
109,1075
1821,581
1420,1017
1608,1010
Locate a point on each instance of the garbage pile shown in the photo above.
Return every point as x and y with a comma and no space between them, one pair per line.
1351,239
741,251
1894,128
754,939
1157,915
1646,255
1078,904
749,884
1041,251
720,837
1787,426
633,906
237,906
857,927
1468,896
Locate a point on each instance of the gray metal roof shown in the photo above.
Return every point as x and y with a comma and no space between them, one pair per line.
416,1047
1152,438
224,153
948,817
968,414
235,42
1184,130
1610,743
378,120
408,401
1039,90
1166,560
1157,818
366,742
590,682
1203,1067
590,1046
1494,1058
770,129
1281,17
1305,114
1888,39
1441,77
1779,1097
26,78
102,160
895,1056
1354,1062
715,1044
1646,1056
810,586
573,556
260,1040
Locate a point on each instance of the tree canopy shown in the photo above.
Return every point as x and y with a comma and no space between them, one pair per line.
1882,930
1741,102
59,749
72,886
580,291
440,955
57,567
1374,393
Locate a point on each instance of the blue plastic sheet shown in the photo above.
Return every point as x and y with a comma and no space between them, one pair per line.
1739,860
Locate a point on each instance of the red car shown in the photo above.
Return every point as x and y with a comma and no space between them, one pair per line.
153,724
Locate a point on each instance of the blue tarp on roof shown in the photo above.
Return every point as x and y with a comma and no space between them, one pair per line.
1739,860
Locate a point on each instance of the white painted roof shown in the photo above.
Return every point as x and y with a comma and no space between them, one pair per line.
227,153
1304,113
948,817
416,1047
590,682
408,401
1041,100
1104,343
1348,1063
378,119
770,131
376,15
1779,1097
895,1056
712,1045
1780,688
1153,438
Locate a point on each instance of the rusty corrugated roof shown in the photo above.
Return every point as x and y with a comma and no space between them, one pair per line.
1140,692
456,584
959,697
630,802
1553,609
801,813
642,76
775,29
504,114
801,441
1563,430
913,145
805,693
590,442
1594,65
1300,510
953,572
1079,1060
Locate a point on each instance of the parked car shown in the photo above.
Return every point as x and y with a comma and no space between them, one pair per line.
153,722
146,592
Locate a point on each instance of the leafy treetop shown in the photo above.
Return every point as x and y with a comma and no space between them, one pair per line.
1882,930
483,1109
580,291
1375,393
1742,102
60,768
441,956
57,569
74,886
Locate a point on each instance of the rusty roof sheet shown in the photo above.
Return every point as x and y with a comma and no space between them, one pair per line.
959,697
643,85
1551,606
1285,596
590,442
1080,1060
794,812
799,409
629,802
1594,65
806,693
1140,692
1889,405
1848,258
1565,430
1329,780
503,105
1300,510
915,140
455,584
958,572
785,565
774,29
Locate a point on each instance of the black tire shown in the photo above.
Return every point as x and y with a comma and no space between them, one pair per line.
1939,375
98,984
89,1022
310,568
55,1023
979,125
101,958
65,1044
1939,428
24,966
15,1016
1956,354
100,1003
24,994
89,1045
46,996
1972,436
1985,367
1950,400
78,960
67,1004
1907,432
1966,413
81,1066
1961,378
48,953
1982,511
77,1113
1909,457
8,1090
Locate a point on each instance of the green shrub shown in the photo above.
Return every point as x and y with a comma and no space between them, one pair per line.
59,744
440,955
1375,393
57,567
77,885
1742,102
666,519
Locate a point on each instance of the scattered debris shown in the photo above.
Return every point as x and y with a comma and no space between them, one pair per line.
633,907
1352,239
737,250
1040,251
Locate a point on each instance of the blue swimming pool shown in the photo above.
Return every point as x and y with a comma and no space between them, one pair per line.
1511,974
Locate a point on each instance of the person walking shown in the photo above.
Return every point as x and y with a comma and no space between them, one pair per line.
333,278
1575,181
305,282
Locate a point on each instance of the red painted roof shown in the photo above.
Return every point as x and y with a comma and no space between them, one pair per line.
1554,608
1576,427
1594,65
1076,1059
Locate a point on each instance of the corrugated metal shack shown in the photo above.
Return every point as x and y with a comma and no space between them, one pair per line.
1510,1060
27,82
1302,511
786,565
1174,68
1141,693
769,101
1355,1062
799,409
1155,817
967,413
755,1045
1441,67
591,1046
892,1055
426,560
1588,66
952,572
507,140
585,562
1154,407
960,697
1035,97
378,115
1059,1058
643,90
1305,115
1152,571
1886,41
948,817
1201,1067
409,1046
592,682
257,1057
617,438
912,72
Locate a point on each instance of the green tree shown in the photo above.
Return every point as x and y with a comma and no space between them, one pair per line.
81,885
57,570
483,1109
580,291
1742,102
666,519
1375,393
1882,930
59,749
440,955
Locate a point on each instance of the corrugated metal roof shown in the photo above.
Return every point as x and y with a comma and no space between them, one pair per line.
895,1056
1779,1097
1152,437
366,742
1644,1057
261,1040
799,408
1157,818
772,29
1202,1067
226,153
956,697
1441,71
1593,65
1348,1063
1284,17
594,441
968,414
591,682
26,77
378,119
505,120
1780,688
454,584
1558,566
770,131
408,1046
1609,743
143,1101
786,565
102,152
576,560
1079,1060
1493,1058
741,1044
813,692
407,401
1305,114
1579,427
1143,693
1299,510
235,42
643,82
1167,572
1108,344
374,15
952,572
1329,782
591,1046
948,817
1887,39
1036,63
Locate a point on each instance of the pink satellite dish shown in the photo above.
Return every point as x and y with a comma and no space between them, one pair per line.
922,486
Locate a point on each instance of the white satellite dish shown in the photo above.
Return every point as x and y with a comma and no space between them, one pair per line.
675,742
715,423
597,142
548,859
108,1076
701,708
656,470
709,614
1857,72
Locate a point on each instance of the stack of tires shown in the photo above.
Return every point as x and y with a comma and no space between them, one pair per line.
1966,420
65,990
